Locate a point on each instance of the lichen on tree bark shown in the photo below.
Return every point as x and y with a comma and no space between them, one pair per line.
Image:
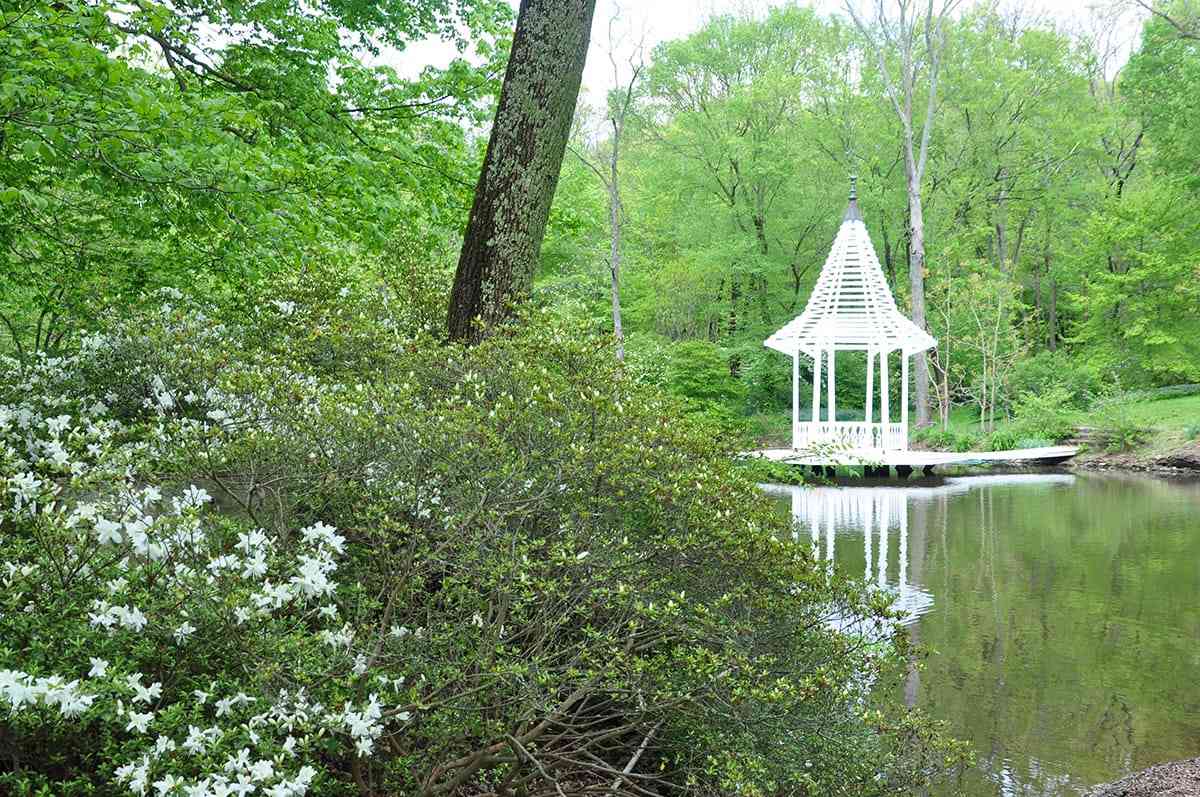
520,170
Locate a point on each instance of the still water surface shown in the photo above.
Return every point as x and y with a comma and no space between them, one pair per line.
1062,613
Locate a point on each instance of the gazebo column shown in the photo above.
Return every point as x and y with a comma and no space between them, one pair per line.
904,394
870,411
832,400
816,409
796,397
885,414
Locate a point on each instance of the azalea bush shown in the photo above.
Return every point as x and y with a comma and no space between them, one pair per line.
234,567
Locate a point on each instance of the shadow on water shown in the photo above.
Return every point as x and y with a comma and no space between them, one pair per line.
1062,612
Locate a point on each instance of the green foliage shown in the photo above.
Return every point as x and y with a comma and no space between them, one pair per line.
768,471
698,371
1048,370
964,442
1116,424
935,437
200,146
1047,414
1140,323
1003,440
1162,86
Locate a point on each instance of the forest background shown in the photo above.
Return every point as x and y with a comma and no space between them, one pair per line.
1059,196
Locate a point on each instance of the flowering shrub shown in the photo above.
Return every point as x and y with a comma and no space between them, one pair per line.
234,569
121,603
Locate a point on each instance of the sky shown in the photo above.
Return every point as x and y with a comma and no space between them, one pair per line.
654,21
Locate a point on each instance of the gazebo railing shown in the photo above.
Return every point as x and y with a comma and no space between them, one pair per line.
851,434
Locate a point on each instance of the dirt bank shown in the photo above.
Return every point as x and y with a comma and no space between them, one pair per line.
1182,459
1176,779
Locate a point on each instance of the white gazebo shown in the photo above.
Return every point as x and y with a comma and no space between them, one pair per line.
851,309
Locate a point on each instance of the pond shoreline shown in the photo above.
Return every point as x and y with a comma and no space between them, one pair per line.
1172,778
1181,460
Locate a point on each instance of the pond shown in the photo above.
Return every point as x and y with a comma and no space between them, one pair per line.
1061,612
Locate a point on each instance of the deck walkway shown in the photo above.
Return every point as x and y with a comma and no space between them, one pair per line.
1048,455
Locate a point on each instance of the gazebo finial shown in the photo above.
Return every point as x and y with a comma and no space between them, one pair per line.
852,211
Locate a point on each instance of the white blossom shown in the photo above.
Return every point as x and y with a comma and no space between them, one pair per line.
139,721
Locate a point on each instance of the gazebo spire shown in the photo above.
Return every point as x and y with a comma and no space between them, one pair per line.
852,212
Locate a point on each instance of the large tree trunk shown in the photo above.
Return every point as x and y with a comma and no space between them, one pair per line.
916,280
520,171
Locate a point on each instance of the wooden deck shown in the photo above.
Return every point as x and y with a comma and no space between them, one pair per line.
1049,455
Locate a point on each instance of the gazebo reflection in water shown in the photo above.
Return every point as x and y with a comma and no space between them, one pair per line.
878,519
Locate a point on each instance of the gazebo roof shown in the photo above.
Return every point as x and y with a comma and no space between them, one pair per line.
851,306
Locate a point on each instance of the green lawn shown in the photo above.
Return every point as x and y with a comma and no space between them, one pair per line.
1173,413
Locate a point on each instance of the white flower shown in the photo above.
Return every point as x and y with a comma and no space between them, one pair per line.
99,668
256,566
239,761
195,496
322,534
198,740
56,426
136,775
139,722
312,580
251,541
131,617
285,308
74,704
108,532
24,487
167,784
143,694
184,631
262,770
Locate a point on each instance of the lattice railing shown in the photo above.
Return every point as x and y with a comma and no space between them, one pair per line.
851,434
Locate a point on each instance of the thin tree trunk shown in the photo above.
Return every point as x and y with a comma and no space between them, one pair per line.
1052,315
1001,226
614,226
889,261
520,170
916,278
1038,308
